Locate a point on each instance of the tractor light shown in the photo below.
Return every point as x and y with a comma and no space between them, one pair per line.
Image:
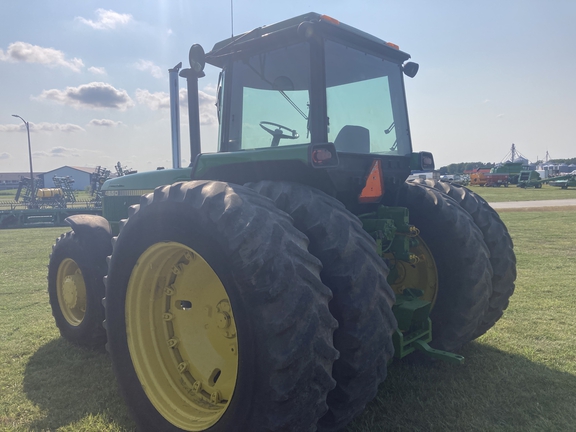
393,45
323,155
422,161
320,155
329,19
374,188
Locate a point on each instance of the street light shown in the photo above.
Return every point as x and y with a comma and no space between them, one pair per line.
33,205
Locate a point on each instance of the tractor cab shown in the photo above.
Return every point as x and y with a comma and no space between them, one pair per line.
305,83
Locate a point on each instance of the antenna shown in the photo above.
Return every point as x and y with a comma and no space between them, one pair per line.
232,16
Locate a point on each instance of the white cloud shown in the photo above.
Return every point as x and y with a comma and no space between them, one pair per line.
58,152
105,123
154,101
97,70
12,128
28,53
207,109
42,127
5,155
161,100
92,95
55,127
106,20
148,66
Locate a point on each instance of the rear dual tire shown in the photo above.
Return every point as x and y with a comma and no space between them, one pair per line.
362,301
462,260
500,246
278,306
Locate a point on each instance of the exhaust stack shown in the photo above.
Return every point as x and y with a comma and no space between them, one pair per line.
175,114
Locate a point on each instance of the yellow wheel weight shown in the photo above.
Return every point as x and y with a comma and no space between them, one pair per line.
181,335
71,292
421,274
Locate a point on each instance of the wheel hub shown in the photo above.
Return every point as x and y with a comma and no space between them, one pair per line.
421,273
182,335
71,292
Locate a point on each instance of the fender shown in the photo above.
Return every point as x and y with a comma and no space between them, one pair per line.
93,231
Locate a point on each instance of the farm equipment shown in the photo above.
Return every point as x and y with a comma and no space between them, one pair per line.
97,179
496,180
530,178
50,207
123,170
480,178
24,190
565,181
56,197
511,169
267,286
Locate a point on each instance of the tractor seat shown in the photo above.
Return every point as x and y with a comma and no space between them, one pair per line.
353,139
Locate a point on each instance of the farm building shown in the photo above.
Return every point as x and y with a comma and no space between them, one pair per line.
11,180
81,176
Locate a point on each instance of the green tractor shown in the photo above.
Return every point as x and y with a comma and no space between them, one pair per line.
267,286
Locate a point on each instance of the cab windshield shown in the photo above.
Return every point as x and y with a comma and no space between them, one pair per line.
270,92
365,99
270,101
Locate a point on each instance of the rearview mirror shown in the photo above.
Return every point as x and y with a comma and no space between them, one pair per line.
411,69
197,58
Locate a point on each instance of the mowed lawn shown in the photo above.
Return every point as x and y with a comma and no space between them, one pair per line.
513,193
520,376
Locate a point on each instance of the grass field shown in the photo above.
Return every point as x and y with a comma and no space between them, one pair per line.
513,193
520,376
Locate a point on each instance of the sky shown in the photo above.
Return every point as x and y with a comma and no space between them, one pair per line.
91,77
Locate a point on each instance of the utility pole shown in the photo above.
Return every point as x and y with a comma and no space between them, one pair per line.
32,183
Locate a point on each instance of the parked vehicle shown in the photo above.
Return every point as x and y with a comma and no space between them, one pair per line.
267,286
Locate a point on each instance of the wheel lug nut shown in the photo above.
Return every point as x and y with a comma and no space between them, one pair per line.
216,397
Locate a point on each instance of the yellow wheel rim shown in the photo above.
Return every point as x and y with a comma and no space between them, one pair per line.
71,292
182,335
421,274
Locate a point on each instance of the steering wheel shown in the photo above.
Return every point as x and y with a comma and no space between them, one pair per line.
277,134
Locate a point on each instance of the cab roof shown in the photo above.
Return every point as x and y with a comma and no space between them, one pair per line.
327,25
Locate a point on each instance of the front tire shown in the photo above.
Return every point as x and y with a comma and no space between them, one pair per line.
217,319
76,289
362,301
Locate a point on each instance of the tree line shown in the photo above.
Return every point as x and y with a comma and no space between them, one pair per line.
559,161
459,168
